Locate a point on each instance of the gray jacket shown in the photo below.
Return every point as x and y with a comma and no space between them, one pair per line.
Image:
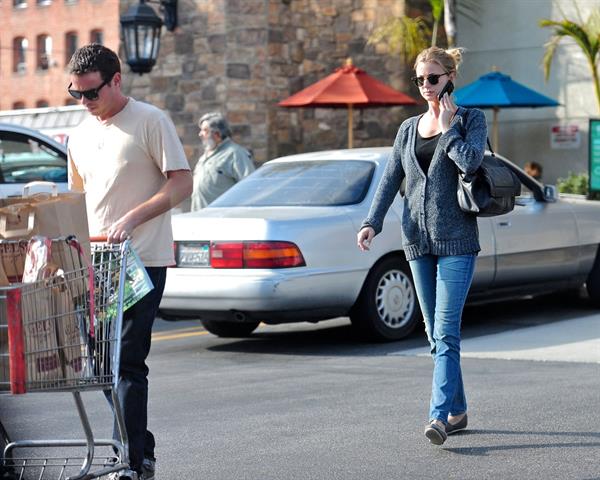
432,222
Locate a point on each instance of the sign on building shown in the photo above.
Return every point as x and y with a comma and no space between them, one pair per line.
565,137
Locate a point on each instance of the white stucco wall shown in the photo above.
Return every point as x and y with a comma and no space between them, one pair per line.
509,38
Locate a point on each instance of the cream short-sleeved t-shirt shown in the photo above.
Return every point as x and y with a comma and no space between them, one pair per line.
122,162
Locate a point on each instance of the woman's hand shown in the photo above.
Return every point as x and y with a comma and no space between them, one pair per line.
364,238
447,110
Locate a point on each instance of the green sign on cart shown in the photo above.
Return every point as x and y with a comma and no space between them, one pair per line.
594,154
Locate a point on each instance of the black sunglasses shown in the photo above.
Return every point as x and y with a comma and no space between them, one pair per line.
91,94
431,78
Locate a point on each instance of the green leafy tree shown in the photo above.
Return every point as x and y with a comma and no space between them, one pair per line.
586,34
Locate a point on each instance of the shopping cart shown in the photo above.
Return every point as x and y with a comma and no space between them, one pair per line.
64,335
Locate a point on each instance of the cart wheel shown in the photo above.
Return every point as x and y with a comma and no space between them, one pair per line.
387,308
230,329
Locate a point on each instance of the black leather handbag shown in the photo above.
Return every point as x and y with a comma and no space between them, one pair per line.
490,190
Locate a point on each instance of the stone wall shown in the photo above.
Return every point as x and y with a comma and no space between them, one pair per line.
243,56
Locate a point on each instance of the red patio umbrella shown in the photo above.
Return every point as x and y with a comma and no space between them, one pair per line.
349,87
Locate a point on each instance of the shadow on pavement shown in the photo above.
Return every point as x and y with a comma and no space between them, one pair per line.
338,338
487,449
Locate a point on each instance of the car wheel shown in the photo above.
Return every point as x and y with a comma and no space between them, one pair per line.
229,329
387,308
592,283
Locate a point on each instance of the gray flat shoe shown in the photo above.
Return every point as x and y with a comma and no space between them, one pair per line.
457,427
435,434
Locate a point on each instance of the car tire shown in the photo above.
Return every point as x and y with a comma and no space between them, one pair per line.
387,308
592,284
230,329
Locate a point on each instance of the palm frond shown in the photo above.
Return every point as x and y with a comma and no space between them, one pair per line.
404,35
437,8
549,55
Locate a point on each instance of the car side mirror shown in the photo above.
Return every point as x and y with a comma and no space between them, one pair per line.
550,193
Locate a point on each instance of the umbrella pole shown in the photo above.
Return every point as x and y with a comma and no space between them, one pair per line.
350,124
495,129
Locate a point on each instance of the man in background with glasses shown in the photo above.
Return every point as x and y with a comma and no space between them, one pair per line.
128,160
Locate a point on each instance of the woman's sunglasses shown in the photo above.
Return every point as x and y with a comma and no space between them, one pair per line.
91,94
432,78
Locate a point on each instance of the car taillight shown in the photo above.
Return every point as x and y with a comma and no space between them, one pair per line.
255,255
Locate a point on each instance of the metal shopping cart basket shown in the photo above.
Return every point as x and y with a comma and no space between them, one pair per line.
64,335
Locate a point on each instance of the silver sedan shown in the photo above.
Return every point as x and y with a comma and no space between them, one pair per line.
280,246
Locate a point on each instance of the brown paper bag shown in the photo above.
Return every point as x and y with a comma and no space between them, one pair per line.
12,258
52,216
42,356
71,327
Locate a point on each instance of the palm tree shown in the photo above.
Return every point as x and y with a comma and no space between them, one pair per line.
586,34
409,35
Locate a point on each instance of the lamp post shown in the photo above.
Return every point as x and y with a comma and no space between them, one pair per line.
141,27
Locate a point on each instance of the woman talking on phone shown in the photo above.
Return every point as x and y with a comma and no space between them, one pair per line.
440,241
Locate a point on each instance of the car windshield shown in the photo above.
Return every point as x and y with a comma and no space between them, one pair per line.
302,183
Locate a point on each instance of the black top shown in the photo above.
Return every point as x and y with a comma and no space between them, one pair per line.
424,148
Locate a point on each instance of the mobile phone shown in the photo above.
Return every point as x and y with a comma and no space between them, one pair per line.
448,88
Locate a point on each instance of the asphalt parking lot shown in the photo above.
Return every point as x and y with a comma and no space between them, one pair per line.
313,402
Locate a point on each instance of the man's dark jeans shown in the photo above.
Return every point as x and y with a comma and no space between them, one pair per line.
133,381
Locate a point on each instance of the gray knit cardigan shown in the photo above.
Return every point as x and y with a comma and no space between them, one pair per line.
432,222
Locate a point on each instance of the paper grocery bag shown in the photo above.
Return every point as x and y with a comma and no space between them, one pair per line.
49,215
42,355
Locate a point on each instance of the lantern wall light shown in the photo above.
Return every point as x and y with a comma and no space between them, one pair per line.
140,27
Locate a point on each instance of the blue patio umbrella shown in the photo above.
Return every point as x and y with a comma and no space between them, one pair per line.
496,90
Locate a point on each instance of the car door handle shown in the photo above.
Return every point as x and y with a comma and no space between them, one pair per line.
505,223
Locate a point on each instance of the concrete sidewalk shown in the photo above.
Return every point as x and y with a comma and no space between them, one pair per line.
574,340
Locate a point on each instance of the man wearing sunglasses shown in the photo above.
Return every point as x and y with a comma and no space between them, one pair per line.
128,160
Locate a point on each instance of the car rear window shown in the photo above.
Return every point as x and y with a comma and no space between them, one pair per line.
302,183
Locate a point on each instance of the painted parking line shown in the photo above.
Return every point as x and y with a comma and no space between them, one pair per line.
177,334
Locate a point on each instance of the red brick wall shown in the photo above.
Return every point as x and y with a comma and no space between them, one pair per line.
55,18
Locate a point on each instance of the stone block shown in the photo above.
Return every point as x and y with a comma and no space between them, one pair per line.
238,70
250,36
328,11
217,43
275,35
184,43
245,7
208,93
174,102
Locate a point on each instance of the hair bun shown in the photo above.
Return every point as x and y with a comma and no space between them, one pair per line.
456,54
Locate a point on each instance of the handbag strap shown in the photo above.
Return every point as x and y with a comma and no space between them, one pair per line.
486,138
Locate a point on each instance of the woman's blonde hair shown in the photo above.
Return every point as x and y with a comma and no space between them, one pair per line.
447,59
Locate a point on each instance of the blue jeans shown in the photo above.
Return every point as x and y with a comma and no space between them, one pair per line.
132,388
442,284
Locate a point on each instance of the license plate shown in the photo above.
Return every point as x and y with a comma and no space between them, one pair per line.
193,254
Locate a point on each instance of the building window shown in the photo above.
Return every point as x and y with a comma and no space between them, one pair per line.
18,105
71,101
97,36
42,104
43,3
70,45
19,3
20,45
44,51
